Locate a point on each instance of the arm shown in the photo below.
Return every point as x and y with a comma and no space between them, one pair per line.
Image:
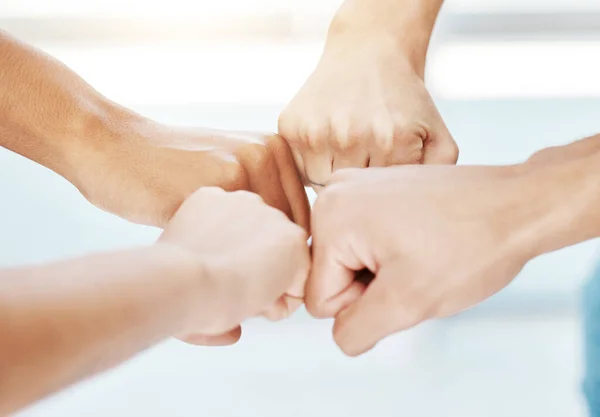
464,233
46,110
125,163
405,23
63,322
66,321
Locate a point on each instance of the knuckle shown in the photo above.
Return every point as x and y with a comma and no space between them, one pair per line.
384,141
450,152
344,343
317,135
233,176
345,140
255,156
317,308
286,122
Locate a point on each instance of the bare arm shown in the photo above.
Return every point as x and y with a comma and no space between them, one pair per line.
408,23
66,321
46,109
122,162
444,238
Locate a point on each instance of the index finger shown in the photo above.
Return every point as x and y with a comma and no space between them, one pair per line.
331,285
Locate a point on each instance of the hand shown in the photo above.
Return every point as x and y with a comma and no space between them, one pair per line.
256,261
363,106
143,171
438,239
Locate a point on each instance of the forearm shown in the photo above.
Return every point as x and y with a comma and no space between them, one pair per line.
407,24
47,112
561,194
69,320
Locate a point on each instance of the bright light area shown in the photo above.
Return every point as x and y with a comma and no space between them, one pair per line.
253,73
198,8
479,70
159,8
270,72
521,6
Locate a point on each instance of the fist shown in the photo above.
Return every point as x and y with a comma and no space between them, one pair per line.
363,106
437,239
146,171
255,260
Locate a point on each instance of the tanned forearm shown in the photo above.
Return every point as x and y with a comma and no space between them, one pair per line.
69,320
407,23
49,114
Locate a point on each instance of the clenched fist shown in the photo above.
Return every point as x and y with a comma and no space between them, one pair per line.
255,260
363,106
144,170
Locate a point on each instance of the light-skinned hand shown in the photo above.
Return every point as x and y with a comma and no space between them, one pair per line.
363,106
252,260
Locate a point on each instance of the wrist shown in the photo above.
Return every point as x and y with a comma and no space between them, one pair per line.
404,26
560,203
94,140
189,274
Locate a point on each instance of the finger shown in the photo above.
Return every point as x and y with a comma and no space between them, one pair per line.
318,166
291,181
264,177
372,317
377,158
229,338
293,304
297,151
382,142
276,311
298,286
350,158
440,148
331,285
407,149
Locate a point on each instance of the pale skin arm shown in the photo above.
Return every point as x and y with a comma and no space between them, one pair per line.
407,23
66,321
444,238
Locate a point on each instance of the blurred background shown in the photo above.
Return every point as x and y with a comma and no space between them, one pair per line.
509,76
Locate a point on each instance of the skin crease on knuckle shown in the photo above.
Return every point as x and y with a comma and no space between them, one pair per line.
234,177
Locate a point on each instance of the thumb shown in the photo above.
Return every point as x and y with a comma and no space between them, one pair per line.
331,285
374,316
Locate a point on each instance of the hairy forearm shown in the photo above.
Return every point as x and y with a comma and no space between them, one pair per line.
66,321
47,113
407,24
560,189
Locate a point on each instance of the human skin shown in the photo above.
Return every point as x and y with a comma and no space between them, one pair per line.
129,165
210,270
440,239
122,162
365,104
